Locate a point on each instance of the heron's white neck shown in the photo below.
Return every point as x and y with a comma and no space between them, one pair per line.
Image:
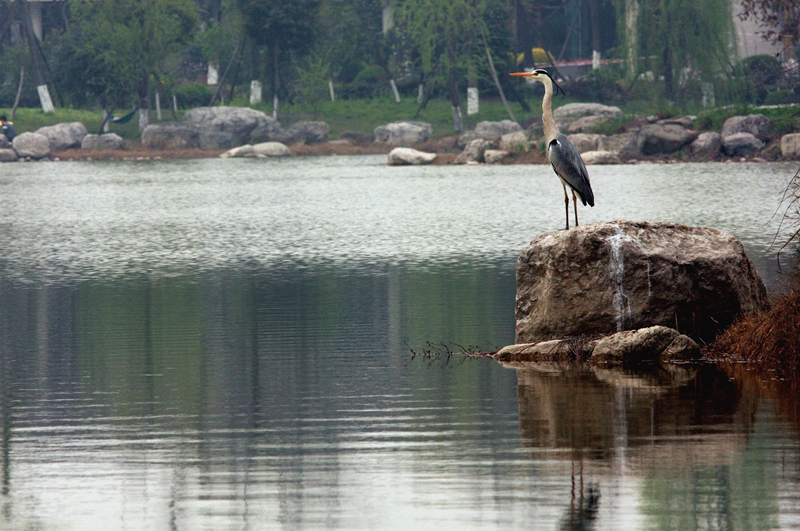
550,127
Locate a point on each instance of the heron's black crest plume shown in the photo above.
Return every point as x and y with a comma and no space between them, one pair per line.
545,72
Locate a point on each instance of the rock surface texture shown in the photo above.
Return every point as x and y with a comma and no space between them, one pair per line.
664,138
403,134
584,142
7,155
600,157
102,142
474,151
741,145
31,145
64,136
708,143
567,114
239,122
755,124
604,278
790,145
403,156
645,345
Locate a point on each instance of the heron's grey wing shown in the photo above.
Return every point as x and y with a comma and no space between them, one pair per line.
568,165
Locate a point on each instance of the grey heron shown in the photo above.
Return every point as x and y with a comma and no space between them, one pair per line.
562,155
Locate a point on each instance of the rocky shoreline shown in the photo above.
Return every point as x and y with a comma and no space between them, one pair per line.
232,132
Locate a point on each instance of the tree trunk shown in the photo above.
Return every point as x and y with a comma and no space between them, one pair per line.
632,36
33,48
143,92
275,74
455,102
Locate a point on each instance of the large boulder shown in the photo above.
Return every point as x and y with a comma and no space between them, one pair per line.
4,142
31,145
404,133
64,136
103,142
7,155
239,122
185,135
495,156
403,156
584,142
625,145
603,278
303,133
756,124
741,145
707,144
790,145
664,138
589,123
517,141
491,130
474,151
567,114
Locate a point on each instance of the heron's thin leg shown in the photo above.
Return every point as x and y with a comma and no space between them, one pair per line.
575,202
566,202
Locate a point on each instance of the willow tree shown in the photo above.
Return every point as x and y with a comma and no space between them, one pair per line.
447,35
680,39
134,41
287,29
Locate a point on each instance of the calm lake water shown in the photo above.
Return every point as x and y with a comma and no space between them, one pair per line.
226,344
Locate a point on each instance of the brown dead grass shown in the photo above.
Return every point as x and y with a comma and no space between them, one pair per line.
769,338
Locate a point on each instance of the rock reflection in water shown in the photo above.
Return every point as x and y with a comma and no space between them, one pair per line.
680,437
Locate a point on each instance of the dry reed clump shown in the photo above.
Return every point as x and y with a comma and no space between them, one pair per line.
770,338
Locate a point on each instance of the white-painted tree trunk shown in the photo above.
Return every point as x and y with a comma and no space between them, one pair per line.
255,92
158,106
472,101
330,87
44,98
395,91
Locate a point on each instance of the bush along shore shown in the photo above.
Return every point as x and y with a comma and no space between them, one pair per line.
603,134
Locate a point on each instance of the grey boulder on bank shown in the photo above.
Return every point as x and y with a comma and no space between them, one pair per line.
603,278
404,133
102,142
31,145
64,136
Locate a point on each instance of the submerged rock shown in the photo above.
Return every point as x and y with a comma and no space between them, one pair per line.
603,278
645,345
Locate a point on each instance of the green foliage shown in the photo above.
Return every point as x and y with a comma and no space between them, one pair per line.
191,95
685,41
124,42
781,97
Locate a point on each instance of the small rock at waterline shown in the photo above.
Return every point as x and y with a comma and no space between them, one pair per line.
8,155
495,156
271,149
600,157
403,156
645,345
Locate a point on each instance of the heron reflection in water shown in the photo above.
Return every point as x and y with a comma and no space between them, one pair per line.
562,155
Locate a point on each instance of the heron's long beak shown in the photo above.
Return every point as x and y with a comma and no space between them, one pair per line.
522,74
